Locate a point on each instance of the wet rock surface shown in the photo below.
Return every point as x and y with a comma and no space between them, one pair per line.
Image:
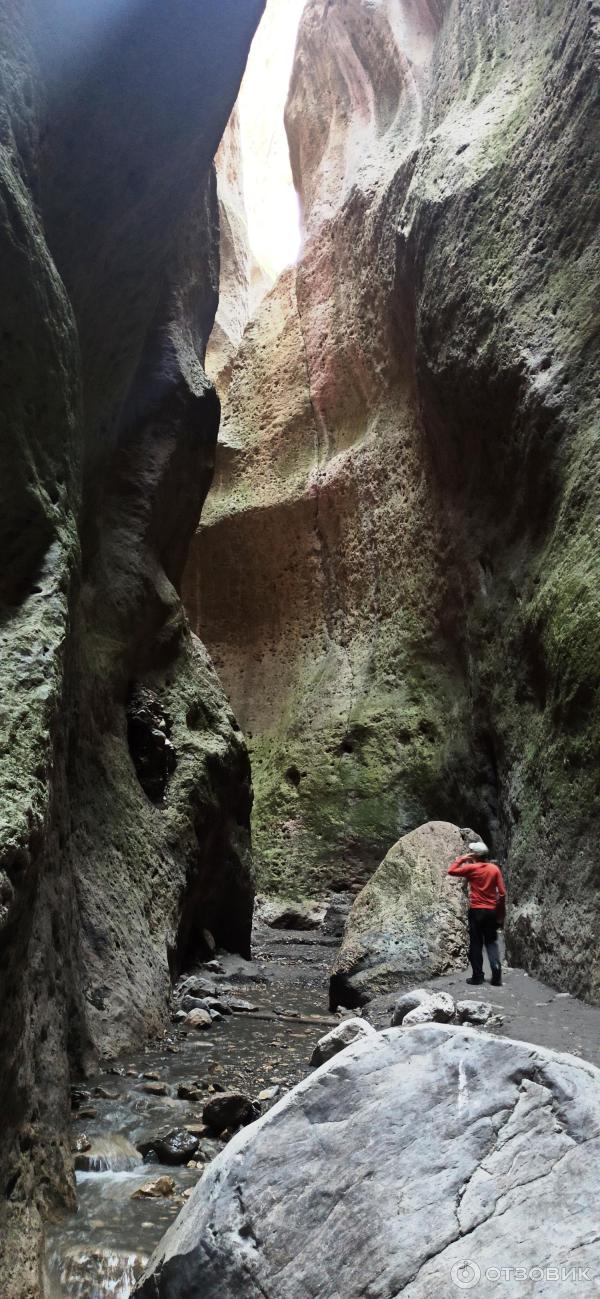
259,1056
123,1210
513,1177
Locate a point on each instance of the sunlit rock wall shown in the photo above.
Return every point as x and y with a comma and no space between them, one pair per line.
397,571
124,795
238,270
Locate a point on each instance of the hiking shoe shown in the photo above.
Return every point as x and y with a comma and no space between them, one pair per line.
496,979
477,979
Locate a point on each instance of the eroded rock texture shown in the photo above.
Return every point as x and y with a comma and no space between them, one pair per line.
409,922
109,120
398,573
407,1163
241,278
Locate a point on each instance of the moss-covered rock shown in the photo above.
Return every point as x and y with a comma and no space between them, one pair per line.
109,270
409,921
398,570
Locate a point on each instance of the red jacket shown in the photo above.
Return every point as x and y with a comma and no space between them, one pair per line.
486,886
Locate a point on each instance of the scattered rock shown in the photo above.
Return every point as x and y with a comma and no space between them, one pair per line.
474,1136
156,1089
198,1019
220,1004
408,922
339,1038
196,985
160,1188
438,1008
104,1094
194,1003
474,1012
240,1007
229,1110
188,1092
269,1093
175,1147
407,1002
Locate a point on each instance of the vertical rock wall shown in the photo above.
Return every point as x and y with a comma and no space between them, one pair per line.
125,790
396,572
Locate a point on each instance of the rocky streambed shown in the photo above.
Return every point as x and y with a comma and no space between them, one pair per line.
146,1128
125,1200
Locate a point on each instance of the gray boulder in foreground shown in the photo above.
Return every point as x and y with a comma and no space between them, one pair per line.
389,1167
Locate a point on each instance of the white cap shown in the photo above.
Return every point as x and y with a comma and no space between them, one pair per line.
479,848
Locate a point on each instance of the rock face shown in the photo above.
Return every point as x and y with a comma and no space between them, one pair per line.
398,572
240,274
408,922
125,793
406,1119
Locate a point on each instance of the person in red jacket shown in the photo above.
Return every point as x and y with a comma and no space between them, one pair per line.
487,909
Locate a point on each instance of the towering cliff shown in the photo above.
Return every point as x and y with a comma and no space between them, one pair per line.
397,572
125,794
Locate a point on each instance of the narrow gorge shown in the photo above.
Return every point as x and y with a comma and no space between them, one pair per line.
301,602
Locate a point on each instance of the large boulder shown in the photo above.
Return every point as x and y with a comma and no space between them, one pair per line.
412,1153
409,922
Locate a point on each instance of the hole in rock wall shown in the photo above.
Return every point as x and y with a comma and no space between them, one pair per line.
293,776
149,739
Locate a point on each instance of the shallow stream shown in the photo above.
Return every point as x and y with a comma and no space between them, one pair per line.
101,1250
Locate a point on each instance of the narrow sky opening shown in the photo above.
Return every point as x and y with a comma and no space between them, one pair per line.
272,207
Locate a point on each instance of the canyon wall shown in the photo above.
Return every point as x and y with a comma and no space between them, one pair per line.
125,791
396,571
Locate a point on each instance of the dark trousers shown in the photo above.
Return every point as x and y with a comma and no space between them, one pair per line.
483,929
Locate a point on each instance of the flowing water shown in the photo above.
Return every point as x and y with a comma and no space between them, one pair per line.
101,1250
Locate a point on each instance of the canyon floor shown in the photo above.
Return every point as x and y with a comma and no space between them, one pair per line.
101,1250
